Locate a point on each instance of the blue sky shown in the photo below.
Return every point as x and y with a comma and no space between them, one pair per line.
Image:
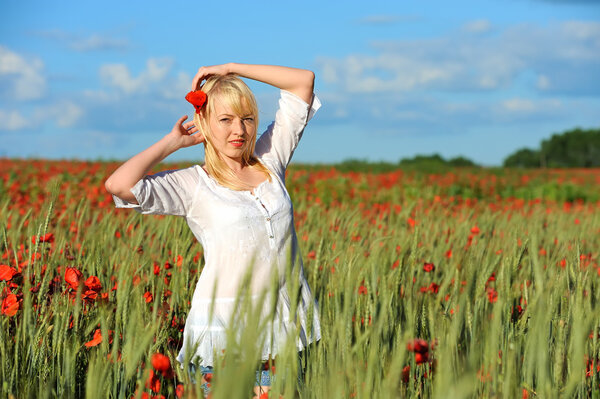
478,78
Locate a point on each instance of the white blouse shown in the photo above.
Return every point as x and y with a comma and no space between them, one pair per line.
241,232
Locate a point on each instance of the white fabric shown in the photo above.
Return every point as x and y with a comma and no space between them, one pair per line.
239,230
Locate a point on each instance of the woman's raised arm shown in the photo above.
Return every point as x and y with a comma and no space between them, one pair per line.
295,80
128,174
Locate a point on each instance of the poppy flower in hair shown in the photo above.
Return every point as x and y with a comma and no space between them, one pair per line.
197,98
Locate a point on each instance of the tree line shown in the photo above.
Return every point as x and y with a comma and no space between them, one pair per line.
576,148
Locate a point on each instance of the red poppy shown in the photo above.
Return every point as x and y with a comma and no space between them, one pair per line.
362,290
6,273
421,358
417,345
492,295
148,297
179,391
197,98
96,340
428,267
153,382
405,373
49,237
89,296
433,288
93,283
73,277
161,363
10,305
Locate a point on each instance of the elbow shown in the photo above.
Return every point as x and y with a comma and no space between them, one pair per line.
305,86
119,191
109,186
310,80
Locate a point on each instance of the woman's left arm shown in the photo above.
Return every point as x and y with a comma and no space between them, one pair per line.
297,81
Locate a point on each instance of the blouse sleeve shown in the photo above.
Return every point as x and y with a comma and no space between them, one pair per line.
277,144
166,193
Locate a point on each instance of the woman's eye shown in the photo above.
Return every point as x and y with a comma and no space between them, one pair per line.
249,119
224,120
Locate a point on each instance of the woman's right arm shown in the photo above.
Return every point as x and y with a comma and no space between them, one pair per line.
128,174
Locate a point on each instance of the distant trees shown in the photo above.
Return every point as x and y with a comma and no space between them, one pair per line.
523,158
435,160
431,163
576,148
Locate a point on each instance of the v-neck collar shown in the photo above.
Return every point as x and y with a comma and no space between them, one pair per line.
251,192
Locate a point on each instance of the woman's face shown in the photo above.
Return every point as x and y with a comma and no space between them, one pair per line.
231,133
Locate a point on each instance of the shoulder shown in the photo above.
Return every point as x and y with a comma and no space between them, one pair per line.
296,107
185,179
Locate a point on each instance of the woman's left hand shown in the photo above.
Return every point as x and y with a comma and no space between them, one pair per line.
207,71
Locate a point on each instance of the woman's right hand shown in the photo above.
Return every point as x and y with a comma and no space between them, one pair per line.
206,71
185,134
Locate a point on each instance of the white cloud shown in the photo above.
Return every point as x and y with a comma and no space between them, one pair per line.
582,29
543,82
526,109
477,26
97,42
562,53
385,19
387,72
176,88
78,41
21,78
119,76
63,113
518,105
12,120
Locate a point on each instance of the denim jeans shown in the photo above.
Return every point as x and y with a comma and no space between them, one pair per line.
263,378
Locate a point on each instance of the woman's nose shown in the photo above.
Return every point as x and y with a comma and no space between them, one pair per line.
238,126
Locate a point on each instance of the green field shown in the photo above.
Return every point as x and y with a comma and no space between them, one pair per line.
460,284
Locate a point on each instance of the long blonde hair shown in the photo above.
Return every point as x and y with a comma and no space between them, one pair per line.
232,91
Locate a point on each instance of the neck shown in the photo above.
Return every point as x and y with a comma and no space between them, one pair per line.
236,165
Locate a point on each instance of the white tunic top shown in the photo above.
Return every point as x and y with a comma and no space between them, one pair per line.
240,232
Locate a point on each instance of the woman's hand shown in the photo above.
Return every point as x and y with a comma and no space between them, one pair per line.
207,71
183,133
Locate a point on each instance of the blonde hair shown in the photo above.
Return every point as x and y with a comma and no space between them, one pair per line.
232,91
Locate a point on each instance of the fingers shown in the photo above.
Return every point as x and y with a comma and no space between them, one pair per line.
180,120
189,128
205,72
200,76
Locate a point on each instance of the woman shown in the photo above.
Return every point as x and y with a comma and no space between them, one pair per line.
236,204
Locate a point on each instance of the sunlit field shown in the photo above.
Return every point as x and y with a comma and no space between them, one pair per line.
464,284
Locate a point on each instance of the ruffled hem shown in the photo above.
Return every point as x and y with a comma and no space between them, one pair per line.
210,342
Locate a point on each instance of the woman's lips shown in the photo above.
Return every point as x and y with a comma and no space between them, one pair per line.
237,143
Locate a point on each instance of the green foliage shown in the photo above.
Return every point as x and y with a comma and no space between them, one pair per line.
513,303
424,163
523,158
576,148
